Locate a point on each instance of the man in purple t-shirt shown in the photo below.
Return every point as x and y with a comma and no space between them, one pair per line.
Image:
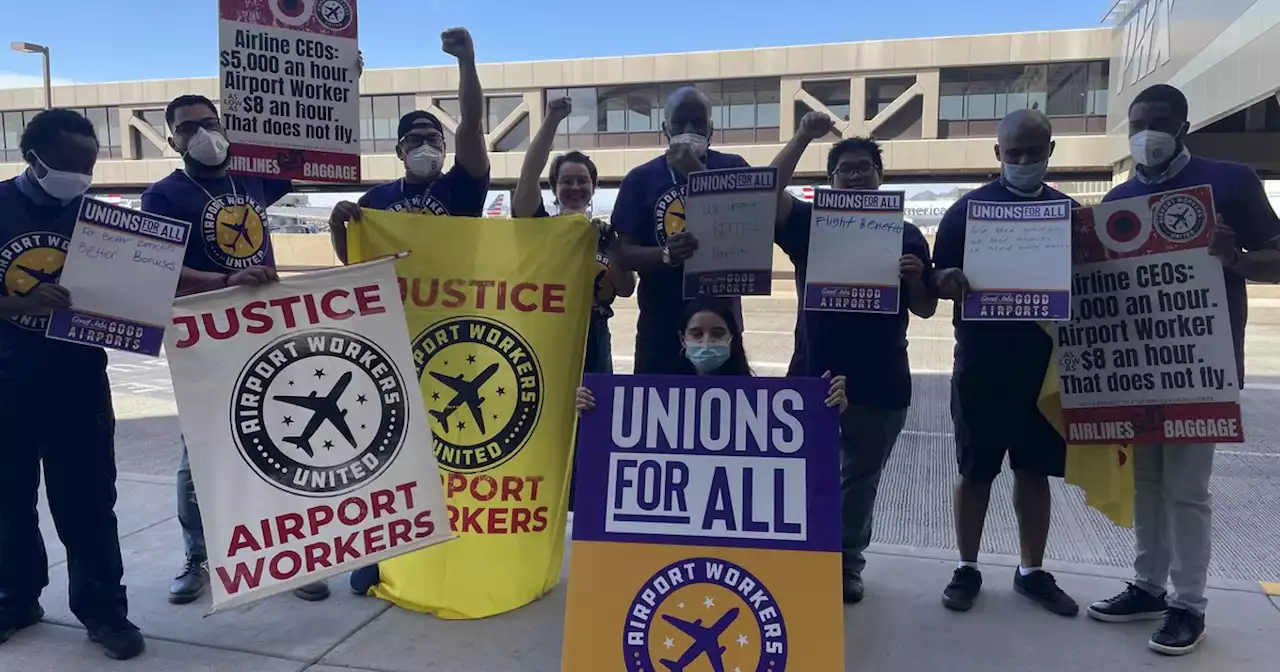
1172,514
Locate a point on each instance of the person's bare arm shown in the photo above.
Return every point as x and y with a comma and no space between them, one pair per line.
528,194
813,125
470,152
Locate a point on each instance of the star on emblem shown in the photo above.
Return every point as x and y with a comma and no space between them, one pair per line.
462,424
435,396
742,640
287,421
362,399
680,606
471,359
502,391
291,383
708,603
669,643
328,444
319,373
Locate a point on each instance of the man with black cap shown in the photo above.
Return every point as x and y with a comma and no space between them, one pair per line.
421,145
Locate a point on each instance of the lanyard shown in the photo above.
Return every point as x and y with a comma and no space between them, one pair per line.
206,191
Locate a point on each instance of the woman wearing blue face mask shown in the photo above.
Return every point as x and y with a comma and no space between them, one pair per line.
711,341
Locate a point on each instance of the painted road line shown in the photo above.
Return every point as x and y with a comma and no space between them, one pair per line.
1270,588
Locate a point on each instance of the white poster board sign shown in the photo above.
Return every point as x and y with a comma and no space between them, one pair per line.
1017,258
855,252
122,271
731,213
309,443
291,88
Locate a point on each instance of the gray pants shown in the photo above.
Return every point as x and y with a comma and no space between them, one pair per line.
189,511
1173,521
867,436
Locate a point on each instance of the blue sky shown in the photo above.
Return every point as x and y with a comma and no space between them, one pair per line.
98,41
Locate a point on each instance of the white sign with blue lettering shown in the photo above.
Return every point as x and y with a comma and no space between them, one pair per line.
731,213
122,271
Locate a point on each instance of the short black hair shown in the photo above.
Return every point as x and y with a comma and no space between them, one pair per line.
408,121
43,130
1163,93
572,157
867,145
186,100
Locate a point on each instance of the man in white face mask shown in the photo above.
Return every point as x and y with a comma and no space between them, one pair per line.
421,146
55,400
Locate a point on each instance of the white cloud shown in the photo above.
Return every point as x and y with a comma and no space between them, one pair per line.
10,80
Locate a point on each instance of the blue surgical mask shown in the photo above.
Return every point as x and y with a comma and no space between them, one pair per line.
1027,177
706,358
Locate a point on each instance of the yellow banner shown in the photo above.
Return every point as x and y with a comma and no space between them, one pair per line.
497,312
1104,472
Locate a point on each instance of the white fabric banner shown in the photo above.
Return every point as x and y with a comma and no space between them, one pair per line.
304,422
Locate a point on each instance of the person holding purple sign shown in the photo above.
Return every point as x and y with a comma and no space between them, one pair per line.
872,345
710,340
55,400
1172,506
995,386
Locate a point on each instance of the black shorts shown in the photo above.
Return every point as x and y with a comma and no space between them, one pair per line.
990,423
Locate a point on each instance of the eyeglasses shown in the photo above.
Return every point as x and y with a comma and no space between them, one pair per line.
430,139
190,127
851,169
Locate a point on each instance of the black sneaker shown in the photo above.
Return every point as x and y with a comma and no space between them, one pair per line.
12,621
312,592
963,589
1132,604
364,579
119,638
1180,634
853,589
189,584
1043,589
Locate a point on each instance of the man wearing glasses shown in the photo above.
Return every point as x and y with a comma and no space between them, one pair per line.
869,349
421,146
230,245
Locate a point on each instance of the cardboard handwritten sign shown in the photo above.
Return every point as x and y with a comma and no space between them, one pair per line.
290,88
1017,257
122,271
855,245
1149,357
731,212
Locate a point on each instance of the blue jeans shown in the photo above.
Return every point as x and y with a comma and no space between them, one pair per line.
189,511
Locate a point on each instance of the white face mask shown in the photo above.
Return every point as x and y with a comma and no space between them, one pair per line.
1152,148
1025,177
697,143
207,148
60,184
424,161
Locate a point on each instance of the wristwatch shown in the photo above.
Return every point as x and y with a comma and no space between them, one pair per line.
666,256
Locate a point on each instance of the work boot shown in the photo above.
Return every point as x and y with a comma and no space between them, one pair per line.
189,585
118,637
13,620
853,589
312,592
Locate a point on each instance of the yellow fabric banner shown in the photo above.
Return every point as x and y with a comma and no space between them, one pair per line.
497,312
1104,472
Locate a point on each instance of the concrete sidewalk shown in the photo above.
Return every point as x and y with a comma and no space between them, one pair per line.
900,627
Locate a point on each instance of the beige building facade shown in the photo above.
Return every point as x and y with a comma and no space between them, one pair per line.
934,102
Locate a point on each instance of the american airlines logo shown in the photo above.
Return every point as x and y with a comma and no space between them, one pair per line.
1146,42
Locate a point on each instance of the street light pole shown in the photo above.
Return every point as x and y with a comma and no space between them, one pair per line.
29,48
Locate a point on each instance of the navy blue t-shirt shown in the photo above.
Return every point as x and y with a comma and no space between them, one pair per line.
869,349
1012,356
456,193
1238,195
650,207
228,216
34,234
605,292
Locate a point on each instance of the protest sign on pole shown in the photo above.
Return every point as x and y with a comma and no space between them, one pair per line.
855,250
707,527
291,88
731,212
1149,357
304,423
122,270
1017,258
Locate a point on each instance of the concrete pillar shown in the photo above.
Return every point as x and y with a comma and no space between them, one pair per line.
858,101
931,82
788,88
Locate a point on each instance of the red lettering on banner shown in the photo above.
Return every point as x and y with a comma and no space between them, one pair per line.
242,538
526,297
319,516
373,542
426,526
317,556
260,317
520,520
242,577
295,565
344,549
398,532
290,527
383,502
326,306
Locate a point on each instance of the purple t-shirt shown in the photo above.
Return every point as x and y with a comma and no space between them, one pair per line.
456,193
870,350
650,207
228,216
1238,195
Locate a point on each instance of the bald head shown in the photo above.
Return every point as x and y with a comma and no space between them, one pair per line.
688,110
1024,137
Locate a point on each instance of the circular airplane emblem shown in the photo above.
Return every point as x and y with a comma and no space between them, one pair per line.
668,213
319,412
28,261
482,385
334,14
292,12
1179,217
234,231
704,615
421,204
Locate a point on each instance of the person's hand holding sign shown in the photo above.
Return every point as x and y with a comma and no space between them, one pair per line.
679,248
911,270
584,400
951,284
457,43
44,299
835,394
1222,244
252,277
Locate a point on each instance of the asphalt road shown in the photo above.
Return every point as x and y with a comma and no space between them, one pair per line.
914,507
